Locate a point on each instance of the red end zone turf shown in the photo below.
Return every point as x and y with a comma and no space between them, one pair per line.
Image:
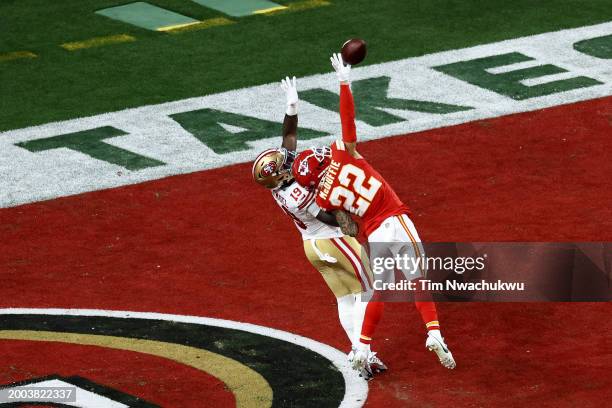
215,244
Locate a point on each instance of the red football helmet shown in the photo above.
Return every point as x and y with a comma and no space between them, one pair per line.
310,166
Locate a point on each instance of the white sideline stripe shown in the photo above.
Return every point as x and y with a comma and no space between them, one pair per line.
26,177
356,388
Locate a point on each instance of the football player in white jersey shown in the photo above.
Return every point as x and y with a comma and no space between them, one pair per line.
328,238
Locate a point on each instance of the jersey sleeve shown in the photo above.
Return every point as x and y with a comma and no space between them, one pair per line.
347,114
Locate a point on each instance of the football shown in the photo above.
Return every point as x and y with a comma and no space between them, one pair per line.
353,51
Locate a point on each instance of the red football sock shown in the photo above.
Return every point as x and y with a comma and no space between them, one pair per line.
372,316
428,314
427,308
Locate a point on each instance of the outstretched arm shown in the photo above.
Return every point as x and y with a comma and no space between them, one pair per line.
291,120
347,105
290,132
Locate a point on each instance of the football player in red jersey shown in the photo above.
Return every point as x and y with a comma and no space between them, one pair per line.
347,181
328,238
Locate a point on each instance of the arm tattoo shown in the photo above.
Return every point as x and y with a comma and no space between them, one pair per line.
347,225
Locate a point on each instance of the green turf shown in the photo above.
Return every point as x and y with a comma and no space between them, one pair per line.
161,67
600,47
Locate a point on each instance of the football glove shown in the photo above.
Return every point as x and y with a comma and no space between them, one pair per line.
342,71
290,88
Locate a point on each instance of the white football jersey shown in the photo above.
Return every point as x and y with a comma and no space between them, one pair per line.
299,204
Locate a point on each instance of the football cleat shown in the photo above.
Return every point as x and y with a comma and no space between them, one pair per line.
361,364
376,364
437,345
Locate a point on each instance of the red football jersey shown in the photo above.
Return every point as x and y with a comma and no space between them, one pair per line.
353,185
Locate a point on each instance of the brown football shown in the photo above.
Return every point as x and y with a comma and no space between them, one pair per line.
354,51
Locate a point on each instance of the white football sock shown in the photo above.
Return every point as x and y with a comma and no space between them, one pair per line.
345,313
358,316
364,347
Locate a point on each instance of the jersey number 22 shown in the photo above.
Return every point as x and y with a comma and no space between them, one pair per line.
357,200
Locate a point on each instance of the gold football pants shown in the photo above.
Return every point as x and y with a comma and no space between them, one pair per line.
342,262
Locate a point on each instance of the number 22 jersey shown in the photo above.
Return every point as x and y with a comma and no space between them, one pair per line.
353,185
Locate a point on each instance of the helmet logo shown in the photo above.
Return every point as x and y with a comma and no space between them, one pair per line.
268,169
303,168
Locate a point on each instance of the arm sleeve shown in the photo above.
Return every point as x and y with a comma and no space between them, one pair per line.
347,114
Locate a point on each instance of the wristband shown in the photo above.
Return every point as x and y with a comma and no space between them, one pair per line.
292,109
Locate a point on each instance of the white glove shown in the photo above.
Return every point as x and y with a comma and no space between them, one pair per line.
342,71
290,88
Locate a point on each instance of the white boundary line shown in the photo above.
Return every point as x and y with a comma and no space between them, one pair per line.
151,131
356,388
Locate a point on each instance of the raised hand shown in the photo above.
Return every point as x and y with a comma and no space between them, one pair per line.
342,71
290,88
